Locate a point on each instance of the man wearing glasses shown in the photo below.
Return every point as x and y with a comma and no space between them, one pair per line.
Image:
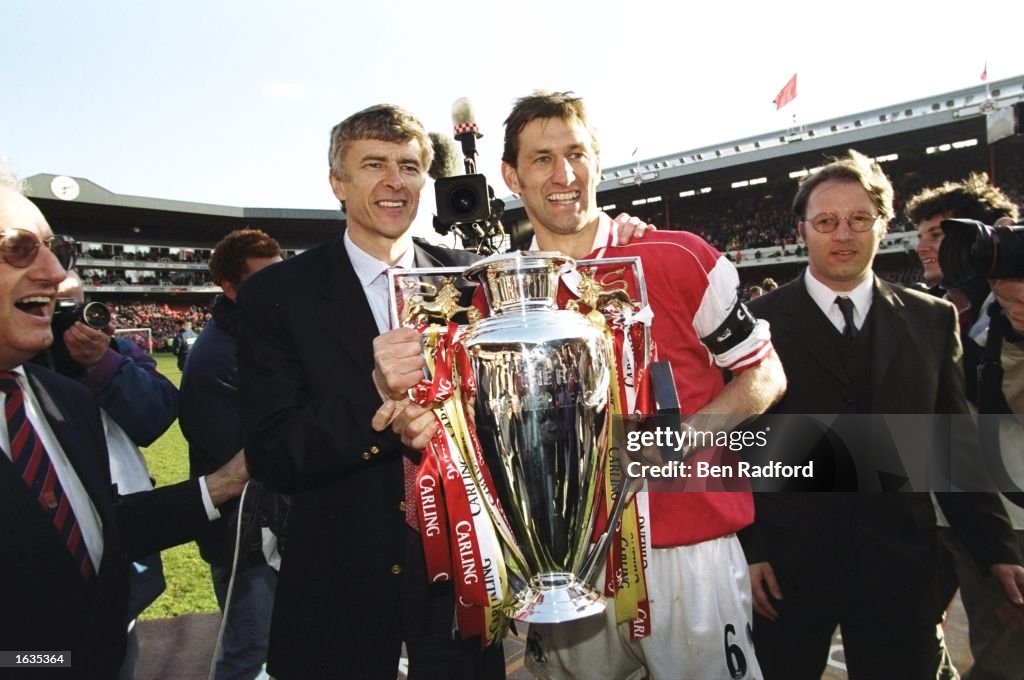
66,540
852,344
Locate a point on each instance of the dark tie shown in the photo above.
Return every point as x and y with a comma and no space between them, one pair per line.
33,462
846,307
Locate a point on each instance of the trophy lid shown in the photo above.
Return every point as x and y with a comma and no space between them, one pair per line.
520,279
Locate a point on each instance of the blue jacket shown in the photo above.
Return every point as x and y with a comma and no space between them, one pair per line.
211,423
127,386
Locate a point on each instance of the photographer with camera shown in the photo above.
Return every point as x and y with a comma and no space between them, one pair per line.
137,405
998,651
121,376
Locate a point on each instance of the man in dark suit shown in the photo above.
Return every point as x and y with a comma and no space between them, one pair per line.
853,344
211,424
66,539
352,586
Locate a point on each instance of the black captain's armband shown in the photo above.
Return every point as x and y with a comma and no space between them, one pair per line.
736,328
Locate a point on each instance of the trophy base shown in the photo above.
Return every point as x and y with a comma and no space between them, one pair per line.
553,597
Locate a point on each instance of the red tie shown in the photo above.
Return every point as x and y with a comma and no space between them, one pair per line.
33,462
412,517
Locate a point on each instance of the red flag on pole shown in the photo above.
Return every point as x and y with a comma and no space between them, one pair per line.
786,94
984,72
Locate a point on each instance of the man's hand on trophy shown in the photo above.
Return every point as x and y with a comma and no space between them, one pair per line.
646,455
630,227
412,422
397,363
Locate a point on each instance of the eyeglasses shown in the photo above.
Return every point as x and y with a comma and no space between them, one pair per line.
19,247
828,222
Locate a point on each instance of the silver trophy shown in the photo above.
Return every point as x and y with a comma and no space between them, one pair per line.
542,377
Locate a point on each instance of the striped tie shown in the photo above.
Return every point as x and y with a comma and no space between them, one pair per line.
33,462
409,469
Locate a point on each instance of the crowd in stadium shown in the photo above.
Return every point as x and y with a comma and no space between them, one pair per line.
161,319
122,277
760,216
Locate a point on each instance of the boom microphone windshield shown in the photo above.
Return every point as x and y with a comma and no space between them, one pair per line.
446,156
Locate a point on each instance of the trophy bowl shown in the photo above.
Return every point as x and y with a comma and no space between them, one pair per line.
541,416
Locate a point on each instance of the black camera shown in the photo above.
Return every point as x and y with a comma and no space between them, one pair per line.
462,199
971,250
65,314
465,203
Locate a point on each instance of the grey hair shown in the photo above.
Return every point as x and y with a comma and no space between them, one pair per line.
8,178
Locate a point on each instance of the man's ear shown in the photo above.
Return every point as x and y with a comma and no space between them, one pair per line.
800,231
230,290
508,173
337,186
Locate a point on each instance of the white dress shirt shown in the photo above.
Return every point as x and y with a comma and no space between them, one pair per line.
372,273
825,298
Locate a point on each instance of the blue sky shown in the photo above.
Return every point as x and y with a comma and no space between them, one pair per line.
232,102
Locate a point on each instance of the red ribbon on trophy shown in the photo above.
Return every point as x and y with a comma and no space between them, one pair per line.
463,549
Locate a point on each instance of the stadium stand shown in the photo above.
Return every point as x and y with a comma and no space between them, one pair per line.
147,256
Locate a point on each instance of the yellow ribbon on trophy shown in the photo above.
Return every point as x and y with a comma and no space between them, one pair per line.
624,573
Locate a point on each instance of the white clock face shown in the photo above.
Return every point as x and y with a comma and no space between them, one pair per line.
64,188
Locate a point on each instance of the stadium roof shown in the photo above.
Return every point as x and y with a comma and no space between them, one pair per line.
87,211
911,124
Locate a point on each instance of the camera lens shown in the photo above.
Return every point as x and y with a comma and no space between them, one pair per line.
1008,261
973,250
96,315
464,200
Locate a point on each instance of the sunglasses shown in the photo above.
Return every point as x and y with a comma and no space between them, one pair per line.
19,247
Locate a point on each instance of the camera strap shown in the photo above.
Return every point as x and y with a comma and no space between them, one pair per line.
990,368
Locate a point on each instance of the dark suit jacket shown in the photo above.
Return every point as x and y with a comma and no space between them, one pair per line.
915,369
307,399
46,604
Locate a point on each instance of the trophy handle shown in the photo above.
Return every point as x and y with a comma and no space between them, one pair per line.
666,402
596,557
